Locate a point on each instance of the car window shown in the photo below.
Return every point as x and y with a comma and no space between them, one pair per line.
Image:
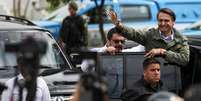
93,15
135,13
53,59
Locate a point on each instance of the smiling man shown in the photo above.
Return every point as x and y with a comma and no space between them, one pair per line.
164,41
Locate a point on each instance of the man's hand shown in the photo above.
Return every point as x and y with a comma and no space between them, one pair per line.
61,44
113,16
111,50
154,52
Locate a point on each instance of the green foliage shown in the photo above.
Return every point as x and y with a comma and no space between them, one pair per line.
53,4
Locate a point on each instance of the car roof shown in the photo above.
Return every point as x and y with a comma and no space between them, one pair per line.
14,26
15,23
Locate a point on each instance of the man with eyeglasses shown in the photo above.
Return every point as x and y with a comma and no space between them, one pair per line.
115,43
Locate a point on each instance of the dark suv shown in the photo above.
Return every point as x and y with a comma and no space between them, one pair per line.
56,69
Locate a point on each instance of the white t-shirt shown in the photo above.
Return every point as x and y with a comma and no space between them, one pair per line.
42,93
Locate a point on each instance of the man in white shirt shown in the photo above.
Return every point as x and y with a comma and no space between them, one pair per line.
115,43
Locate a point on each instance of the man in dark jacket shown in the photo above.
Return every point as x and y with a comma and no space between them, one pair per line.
148,84
73,32
164,41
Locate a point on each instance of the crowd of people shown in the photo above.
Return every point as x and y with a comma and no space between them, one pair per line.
163,41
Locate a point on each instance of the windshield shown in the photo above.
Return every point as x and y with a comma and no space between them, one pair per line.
53,59
135,13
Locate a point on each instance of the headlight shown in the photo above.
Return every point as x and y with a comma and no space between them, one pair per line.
61,98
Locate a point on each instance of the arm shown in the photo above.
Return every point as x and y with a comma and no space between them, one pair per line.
138,36
180,56
65,27
63,35
45,89
109,49
84,31
101,49
6,95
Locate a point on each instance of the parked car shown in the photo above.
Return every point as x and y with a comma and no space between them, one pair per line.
56,69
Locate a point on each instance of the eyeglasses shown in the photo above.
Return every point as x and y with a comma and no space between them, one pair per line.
118,41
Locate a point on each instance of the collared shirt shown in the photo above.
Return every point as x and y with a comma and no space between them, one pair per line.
42,93
167,38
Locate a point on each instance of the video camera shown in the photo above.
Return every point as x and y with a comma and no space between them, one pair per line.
28,53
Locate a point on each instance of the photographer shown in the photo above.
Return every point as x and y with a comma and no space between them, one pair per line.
90,88
27,86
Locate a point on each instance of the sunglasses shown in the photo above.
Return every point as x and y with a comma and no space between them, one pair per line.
118,41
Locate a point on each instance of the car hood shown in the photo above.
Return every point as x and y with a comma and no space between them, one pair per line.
62,83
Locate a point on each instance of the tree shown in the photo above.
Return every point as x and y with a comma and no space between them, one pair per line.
100,12
55,3
17,8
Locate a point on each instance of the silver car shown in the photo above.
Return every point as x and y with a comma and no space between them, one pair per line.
55,67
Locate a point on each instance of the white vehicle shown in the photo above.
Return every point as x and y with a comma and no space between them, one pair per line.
55,67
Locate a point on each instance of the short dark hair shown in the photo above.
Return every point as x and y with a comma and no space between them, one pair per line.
167,11
149,61
73,5
112,31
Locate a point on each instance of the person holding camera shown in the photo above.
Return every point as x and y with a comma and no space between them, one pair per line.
164,41
27,86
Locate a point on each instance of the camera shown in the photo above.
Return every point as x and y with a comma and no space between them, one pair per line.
28,53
